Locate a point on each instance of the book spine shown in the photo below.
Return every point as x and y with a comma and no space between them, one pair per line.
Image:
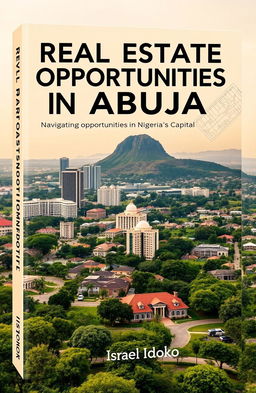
17,214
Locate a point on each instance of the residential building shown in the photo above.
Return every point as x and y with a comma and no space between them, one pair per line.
146,306
96,214
130,217
64,164
92,177
90,265
249,246
57,207
109,196
123,270
223,274
142,240
103,249
73,185
5,226
67,230
99,281
210,250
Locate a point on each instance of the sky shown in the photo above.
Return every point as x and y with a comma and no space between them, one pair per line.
183,14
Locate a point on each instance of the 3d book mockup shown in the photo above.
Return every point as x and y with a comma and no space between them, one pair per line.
126,205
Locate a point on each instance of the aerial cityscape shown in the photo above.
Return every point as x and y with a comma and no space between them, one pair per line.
129,259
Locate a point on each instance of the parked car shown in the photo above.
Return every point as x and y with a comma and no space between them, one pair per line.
216,332
80,297
226,339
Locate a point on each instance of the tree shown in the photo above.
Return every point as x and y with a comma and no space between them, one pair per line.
204,300
96,339
231,308
61,298
180,270
73,366
40,285
247,364
50,311
161,331
5,300
5,341
63,328
220,352
140,281
43,243
38,331
233,328
107,383
113,309
205,379
148,381
196,347
40,365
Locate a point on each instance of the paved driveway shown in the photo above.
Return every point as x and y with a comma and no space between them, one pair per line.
180,331
45,296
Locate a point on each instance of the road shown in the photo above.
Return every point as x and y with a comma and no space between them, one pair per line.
181,333
45,296
86,304
237,256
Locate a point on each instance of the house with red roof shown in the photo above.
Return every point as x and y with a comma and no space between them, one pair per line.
5,226
146,306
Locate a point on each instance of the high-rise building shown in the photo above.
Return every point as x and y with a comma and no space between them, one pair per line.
130,217
109,196
142,240
64,164
56,207
92,177
67,230
73,185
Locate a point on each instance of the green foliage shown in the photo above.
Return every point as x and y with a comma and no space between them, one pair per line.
62,298
161,331
205,379
80,318
5,342
231,308
180,270
49,311
233,328
5,300
107,383
113,309
96,339
247,364
72,367
40,365
38,331
204,300
220,352
43,243
63,328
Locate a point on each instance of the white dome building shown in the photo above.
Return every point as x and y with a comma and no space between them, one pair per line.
142,240
130,217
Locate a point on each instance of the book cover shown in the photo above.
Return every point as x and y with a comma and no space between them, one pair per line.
126,209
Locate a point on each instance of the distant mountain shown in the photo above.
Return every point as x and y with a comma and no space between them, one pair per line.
228,157
143,155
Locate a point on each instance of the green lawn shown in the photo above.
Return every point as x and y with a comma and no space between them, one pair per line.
204,328
86,310
50,284
188,347
195,316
